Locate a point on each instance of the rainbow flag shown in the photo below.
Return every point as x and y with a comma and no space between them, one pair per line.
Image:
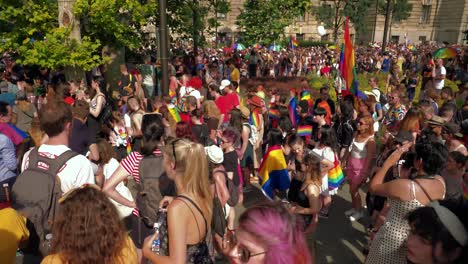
305,95
254,119
293,43
274,171
175,114
292,108
274,113
335,175
173,96
304,131
347,65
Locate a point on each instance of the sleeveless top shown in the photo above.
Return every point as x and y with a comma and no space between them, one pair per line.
389,244
358,149
197,253
296,195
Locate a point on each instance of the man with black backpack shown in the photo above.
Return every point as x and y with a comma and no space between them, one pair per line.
49,171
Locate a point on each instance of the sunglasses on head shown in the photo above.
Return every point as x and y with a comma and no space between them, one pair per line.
174,151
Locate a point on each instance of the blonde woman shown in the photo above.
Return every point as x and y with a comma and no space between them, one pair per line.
211,111
189,213
305,196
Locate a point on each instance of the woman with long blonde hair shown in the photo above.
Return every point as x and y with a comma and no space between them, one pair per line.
189,213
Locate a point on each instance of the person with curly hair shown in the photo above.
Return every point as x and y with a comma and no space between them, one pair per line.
88,229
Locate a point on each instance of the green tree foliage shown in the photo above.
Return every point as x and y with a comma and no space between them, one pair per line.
264,21
30,28
400,9
333,14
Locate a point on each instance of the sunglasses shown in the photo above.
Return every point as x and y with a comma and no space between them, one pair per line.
392,97
243,254
174,151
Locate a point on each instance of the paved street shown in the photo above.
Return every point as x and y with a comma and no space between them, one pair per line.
337,240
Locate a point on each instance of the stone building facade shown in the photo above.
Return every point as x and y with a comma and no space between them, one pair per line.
430,20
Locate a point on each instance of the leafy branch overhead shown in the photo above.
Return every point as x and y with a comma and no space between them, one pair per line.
264,21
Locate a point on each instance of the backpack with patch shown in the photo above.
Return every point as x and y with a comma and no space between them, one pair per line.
36,193
254,136
383,98
154,185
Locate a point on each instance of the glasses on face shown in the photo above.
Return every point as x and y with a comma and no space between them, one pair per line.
243,254
392,97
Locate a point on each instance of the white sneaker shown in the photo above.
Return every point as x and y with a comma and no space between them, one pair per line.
349,212
356,216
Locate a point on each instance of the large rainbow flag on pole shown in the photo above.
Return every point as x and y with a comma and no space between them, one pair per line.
274,171
347,65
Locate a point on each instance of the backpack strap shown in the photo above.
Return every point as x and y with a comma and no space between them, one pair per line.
57,163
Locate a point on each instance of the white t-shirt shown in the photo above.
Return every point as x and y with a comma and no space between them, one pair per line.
328,154
439,84
189,91
76,171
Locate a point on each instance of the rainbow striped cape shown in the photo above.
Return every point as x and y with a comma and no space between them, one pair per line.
335,175
274,171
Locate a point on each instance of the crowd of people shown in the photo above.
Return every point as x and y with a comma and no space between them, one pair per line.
97,173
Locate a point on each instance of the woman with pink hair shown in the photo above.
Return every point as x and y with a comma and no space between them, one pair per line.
268,233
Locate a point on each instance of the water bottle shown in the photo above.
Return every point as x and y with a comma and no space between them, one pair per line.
47,244
156,245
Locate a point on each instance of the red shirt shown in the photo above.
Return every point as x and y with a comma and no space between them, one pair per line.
224,107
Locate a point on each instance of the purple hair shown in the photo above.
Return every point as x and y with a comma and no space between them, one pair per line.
279,230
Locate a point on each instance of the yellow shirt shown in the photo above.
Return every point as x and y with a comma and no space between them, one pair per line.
128,256
12,231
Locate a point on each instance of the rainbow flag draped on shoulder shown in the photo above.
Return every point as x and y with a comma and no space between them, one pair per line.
347,65
274,171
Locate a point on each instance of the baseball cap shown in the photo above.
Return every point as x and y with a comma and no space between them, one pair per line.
436,120
224,84
214,154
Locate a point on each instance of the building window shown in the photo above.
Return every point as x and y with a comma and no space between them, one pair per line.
300,36
300,18
422,39
221,16
395,39
425,14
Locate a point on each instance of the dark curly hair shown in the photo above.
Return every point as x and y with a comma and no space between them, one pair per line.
87,228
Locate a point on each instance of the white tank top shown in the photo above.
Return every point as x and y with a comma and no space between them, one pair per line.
358,149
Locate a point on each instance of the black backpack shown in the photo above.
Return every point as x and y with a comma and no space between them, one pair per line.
36,193
154,185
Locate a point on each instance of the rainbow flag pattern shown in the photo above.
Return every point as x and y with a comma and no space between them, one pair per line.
273,113
293,43
335,175
445,53
347,64
173,96
304,131
274,171
254,119
292,108
175,114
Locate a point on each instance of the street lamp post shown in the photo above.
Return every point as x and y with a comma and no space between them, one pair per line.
163,44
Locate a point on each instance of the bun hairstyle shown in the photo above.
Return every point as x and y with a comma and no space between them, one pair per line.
433,153
152,128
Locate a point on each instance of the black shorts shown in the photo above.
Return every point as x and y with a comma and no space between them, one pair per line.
139,231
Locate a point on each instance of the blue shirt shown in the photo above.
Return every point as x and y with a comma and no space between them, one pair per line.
7,158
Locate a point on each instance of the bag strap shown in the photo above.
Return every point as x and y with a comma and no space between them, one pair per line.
424,190
58,162
198,209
